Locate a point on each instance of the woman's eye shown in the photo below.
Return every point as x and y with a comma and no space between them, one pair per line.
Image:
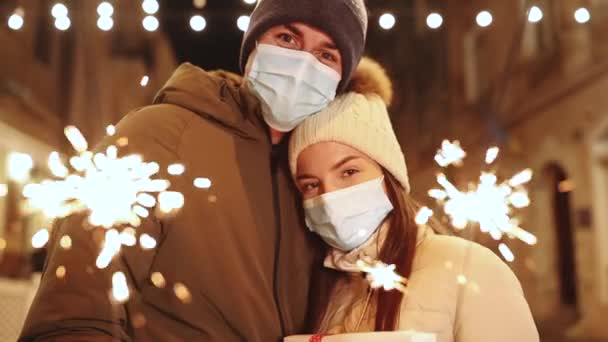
349,172
309,187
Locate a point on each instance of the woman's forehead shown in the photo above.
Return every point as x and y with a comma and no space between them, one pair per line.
325,155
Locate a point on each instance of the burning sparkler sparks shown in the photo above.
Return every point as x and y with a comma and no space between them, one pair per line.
65,242
450,153
182,293
423,216
113,190
40,239
120,289
383,276
489,203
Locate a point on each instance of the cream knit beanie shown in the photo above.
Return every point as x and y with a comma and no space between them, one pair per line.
359,119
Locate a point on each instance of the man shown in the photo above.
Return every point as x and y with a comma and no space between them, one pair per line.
234,264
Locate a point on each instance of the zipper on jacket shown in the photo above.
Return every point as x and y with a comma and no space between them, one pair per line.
274,167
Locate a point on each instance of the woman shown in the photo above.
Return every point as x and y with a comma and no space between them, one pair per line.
351,172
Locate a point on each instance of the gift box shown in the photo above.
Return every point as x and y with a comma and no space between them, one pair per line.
391,336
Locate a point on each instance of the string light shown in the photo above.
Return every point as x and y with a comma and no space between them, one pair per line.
63,23
387,21
16,21
199,3
535,14
150,6
434,21
243,23
582,15
198,23
150,23
105,11
105,23
59,10
484,19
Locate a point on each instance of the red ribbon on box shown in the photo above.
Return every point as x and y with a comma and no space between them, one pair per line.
318,337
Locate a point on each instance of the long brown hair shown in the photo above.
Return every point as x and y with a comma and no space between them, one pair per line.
398,248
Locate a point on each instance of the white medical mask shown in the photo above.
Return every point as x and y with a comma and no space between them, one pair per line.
292,84
347,218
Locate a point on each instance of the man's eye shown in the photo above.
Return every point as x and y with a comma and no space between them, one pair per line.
286,38
328,56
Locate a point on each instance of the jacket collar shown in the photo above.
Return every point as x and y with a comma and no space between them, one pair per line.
368,252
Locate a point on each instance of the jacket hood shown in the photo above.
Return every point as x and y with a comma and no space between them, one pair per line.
216,96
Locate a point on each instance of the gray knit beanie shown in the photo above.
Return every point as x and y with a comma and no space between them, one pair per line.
345,21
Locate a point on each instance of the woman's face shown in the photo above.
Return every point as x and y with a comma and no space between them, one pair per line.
329,166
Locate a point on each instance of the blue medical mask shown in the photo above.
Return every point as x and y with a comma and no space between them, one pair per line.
347,218
291,84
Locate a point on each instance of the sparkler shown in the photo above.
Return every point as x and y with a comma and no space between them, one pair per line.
114,191
383,276
489,204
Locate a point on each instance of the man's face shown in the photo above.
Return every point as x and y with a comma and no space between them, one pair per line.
302,37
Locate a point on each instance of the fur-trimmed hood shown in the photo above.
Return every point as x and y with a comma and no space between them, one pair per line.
371,78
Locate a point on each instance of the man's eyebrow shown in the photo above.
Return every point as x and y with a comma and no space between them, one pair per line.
294,30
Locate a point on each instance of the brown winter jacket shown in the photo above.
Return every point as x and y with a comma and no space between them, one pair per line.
240,248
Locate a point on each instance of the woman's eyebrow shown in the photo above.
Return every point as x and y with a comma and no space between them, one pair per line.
344,161
304,176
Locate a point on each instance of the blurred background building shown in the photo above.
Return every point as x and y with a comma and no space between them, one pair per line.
527,76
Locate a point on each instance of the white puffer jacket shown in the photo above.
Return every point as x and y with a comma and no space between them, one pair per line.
458,290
